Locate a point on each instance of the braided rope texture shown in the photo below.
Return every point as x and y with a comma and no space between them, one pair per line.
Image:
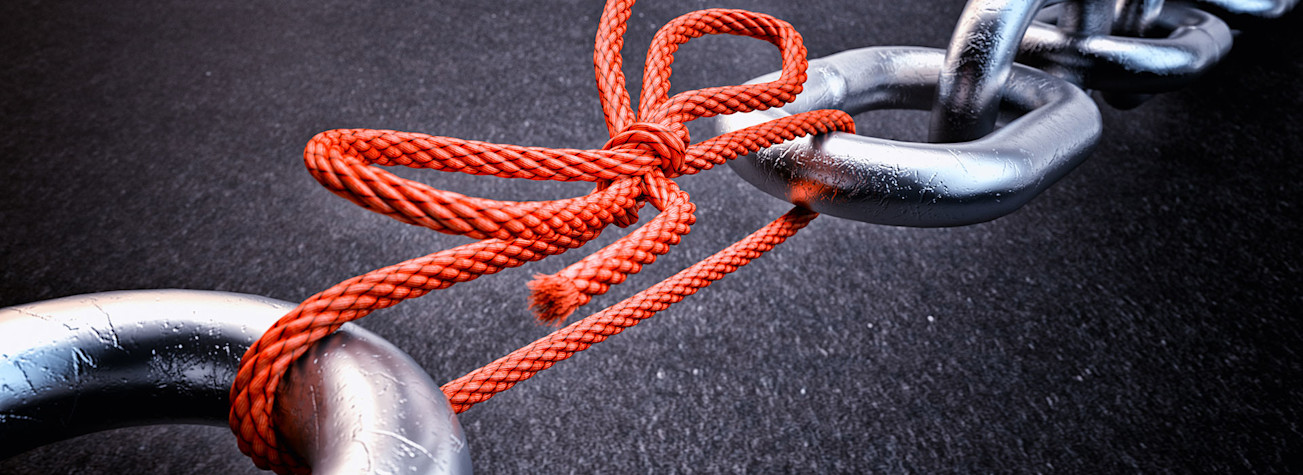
636,166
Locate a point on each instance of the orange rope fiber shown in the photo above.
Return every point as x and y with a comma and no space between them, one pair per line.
644,153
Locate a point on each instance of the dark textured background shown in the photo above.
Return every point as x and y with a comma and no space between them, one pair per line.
1135,317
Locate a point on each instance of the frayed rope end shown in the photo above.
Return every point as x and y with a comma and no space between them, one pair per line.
553,298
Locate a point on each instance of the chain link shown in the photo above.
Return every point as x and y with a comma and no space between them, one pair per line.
1001,133
1129,67
1258,9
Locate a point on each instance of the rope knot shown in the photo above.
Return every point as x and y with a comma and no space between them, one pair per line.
514,233
654,138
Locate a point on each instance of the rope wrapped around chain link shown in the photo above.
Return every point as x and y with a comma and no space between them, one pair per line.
646,151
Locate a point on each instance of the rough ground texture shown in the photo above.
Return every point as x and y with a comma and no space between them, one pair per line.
1135,317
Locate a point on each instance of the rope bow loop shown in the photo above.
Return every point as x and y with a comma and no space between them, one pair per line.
635,166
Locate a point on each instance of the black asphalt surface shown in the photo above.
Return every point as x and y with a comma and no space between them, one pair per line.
1134,318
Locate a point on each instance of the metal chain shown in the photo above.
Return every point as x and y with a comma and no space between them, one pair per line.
1001,132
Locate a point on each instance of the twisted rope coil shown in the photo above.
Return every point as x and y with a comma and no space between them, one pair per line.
635,166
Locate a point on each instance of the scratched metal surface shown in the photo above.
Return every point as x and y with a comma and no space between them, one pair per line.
1139,315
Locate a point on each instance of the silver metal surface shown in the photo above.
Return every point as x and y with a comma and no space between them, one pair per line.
1197,41
978,62
80,364
1264,9
1085,17
1135,17
360,405
915,184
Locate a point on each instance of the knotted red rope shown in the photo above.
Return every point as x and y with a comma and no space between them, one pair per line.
645,152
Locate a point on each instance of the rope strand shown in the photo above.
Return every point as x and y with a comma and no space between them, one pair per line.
480,385
646,151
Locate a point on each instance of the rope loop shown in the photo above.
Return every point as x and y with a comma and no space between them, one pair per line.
634,167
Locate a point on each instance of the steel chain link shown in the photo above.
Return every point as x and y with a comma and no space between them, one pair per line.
1001,132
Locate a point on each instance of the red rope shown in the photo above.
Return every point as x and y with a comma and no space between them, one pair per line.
645,152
